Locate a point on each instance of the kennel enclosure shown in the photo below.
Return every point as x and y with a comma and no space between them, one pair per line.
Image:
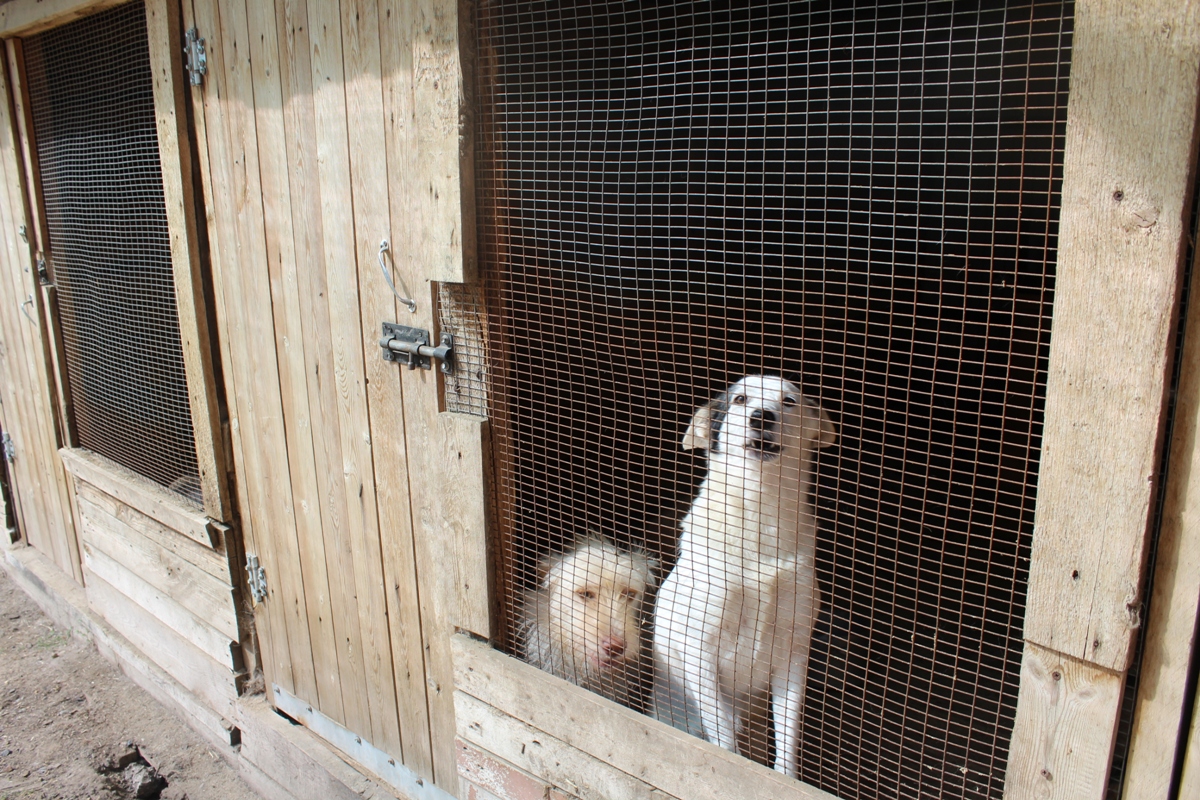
961,229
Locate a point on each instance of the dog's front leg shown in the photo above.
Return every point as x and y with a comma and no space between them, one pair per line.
787,699
720,725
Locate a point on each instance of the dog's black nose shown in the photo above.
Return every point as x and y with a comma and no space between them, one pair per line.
761,418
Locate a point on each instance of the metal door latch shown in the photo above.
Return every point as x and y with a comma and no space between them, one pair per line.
10,449
404,345
197,58
258,579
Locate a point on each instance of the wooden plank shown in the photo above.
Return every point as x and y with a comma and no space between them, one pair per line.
1128,166
337,215
205,558
212,642
536,752
137,492
366,119
1067,714
165,39
195,671
222,250
29,487
428,160
243,282
42,440
273,148
207,597
26,17
39,235
663,757
1175,602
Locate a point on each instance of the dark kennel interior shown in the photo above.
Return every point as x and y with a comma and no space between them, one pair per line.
91,98
865,198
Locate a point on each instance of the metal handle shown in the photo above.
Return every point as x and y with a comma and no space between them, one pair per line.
28,302
387,276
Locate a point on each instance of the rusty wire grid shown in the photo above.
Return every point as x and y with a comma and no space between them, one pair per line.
92,102
864,199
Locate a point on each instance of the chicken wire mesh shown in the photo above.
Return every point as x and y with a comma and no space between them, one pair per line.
92,103
863,199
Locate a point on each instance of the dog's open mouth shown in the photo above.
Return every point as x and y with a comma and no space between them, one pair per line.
766,447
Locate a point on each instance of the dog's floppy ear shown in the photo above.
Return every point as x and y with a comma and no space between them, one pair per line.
699,433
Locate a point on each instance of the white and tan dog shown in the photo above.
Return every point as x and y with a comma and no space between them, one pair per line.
584,622
735,616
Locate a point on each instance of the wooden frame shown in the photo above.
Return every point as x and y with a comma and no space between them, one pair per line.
25,17
164,34
1128,172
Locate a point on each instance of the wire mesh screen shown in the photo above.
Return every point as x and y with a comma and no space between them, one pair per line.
92,103
678,199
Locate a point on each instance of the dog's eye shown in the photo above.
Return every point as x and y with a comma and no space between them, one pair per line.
740,400
789,401
586,594
630,594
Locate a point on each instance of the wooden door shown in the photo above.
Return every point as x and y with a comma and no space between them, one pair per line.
28,399
325,128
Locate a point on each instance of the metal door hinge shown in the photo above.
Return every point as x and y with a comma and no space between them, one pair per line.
197,58
10,449
258,579
404,345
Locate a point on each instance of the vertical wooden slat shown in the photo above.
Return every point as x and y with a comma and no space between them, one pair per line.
39,238
42,438
1128,163
290,344
304,183
166,66
1175,601
337,215
372,223
1128,160
428,111
20,416
248,355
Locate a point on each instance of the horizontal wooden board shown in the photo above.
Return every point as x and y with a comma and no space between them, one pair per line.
207,597
536,752
30,16
663,757
207,559
179,619
146,496
211,682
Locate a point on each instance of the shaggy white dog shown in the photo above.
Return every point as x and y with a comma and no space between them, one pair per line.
584,622
735,616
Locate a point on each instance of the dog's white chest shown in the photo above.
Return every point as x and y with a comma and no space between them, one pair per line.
761,606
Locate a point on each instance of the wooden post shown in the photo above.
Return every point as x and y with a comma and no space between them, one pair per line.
1129,161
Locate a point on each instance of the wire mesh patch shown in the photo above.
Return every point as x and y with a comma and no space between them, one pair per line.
864,200
92,102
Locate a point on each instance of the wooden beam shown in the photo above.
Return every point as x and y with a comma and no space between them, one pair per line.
165,37
1175,601
26,17
675,762
1128,164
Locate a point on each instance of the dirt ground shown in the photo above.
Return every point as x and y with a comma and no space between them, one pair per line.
73,727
